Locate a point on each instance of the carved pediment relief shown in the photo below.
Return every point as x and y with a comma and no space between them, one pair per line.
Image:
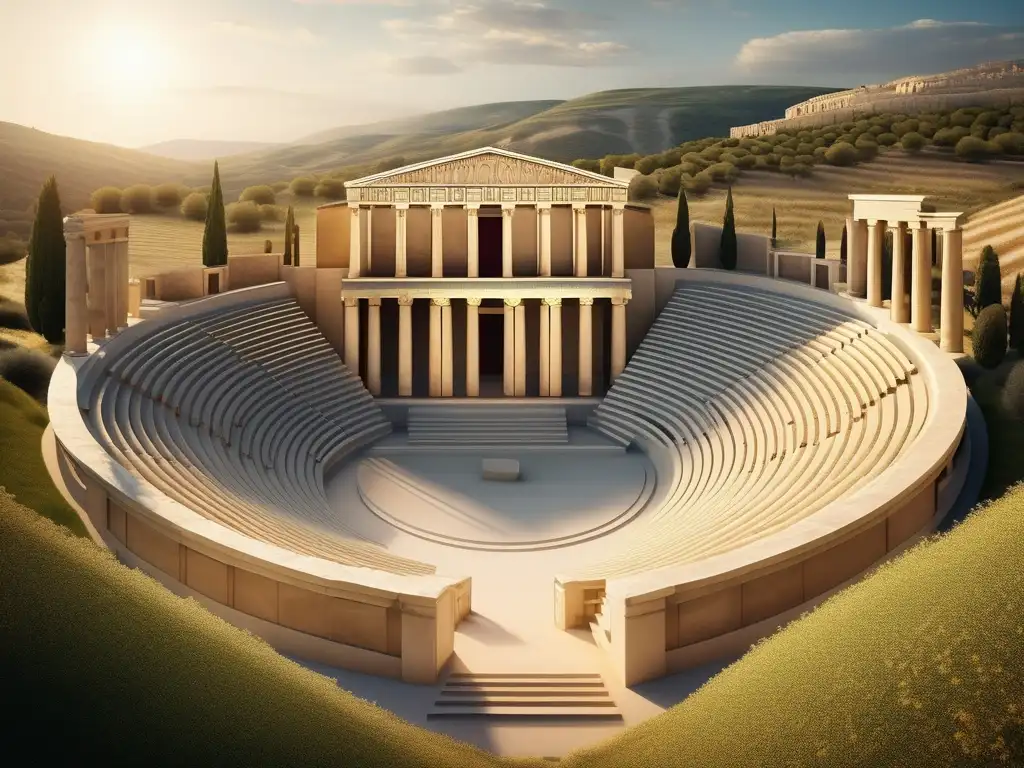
488,170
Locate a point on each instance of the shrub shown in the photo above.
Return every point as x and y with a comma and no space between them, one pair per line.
268,246
799,170
12,249
670,180
585,165
989,336
261,195
962,118
841,154
648,164
805,148
866,149
106,200
807,160
167,196
279,186
642,188
912,142
972,149
245,217
723,172
271,213
988,281
819,154
949,137
887,139
1016,320
699,184
747,161
330,189
28,370
304,186
137,199
1013,391
194,207
13,316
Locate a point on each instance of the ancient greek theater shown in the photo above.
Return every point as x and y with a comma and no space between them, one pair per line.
486,448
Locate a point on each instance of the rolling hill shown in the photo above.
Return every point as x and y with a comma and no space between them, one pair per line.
191,150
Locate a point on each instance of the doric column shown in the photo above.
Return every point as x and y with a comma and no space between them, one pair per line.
520,380
373,346
436,241
435,348
355,247
545,349
544,224
76,286
951,327
352,334
898,310
401,222
507,212
876,237
618,240
580,214
554,367
473,241
509,367
472,347
405,346
122,284
97,298
368,267
586,347
618,337
857,258
921,290
447,351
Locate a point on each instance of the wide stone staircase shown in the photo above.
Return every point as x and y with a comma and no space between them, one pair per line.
525,697
481,426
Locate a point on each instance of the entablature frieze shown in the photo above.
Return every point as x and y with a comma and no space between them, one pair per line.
547,288
459,195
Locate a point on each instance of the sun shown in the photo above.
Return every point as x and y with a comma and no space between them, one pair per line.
127,61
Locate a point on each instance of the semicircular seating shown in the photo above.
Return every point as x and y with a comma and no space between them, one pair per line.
238,414
759,410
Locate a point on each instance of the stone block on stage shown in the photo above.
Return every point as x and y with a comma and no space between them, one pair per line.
505,470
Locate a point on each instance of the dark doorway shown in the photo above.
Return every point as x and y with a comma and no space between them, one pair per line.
490,246
492,344
213,283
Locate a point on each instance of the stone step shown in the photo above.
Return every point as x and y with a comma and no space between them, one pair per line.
525,696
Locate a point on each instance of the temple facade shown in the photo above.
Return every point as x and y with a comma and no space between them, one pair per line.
487,273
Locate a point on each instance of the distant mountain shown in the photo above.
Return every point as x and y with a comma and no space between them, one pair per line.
192,150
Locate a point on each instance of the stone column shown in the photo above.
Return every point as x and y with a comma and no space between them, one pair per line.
373,346
110,274
355,247
921,290
618,240
857,258
352,334
401,221
405,346
436,241
545,349
97,297
507,212
544,219
122,283
76,286
435,348
520,380
580,215
447,350
554,308
473,242
951,320
618,337
898,310
876,236
509,367
368,267
586,345
472,347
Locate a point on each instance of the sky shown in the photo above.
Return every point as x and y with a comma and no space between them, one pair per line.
138,72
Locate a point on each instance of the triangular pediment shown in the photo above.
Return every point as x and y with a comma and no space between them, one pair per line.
488,167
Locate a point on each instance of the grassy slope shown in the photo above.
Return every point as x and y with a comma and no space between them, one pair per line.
800,203
1002,227
22,472
110,665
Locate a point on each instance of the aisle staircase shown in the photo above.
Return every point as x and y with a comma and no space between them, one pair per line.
525,697
480,426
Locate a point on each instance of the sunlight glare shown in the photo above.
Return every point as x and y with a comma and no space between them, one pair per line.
128,61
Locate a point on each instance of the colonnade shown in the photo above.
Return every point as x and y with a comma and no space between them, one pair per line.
579,212
866,244
514,346
96,290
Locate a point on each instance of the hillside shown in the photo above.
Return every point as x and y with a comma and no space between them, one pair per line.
1002,227
192,150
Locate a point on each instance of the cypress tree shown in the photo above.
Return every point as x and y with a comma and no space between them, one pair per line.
45,268
842,245
215,236
295,234
935,247
775,230
289,224
820,243
988,287
727,250
681,234
1017,316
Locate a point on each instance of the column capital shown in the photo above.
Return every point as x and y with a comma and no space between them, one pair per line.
507,209
354,208
441,302
473,210
405,300
513,302
579,207
544,207
618,210
351,301
553,302
373,301
474,301
620,302
587,301
436,209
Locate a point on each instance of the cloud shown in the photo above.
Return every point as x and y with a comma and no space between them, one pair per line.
509,32
424,65
265,34
922,47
